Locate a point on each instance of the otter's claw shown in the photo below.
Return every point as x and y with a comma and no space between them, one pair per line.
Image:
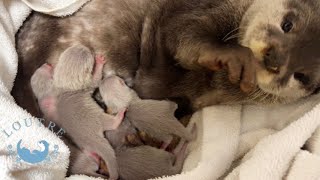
238,60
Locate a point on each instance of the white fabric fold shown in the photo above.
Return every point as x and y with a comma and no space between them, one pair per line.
12,118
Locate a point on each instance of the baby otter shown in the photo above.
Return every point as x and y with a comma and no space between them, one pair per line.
173,49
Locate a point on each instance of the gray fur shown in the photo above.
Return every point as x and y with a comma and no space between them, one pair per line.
135,163
171,48
66,76
85,123
81,162
145,162
73,108
154,117
42,81
77,112
42,87
118,138
116,94
151,116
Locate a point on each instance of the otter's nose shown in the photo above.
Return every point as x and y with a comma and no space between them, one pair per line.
272,61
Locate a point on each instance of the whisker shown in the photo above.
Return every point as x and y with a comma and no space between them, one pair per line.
226,36
233,37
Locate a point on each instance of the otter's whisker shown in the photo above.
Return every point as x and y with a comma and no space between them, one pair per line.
233,37
226,36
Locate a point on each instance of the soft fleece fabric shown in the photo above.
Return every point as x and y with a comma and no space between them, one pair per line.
16,123
242,142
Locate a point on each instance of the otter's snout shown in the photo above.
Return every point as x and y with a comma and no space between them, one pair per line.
273,60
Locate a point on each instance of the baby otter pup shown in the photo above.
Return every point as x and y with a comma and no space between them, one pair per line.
145,162
135,163
154,117
70,104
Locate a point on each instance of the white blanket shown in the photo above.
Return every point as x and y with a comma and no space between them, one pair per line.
269,138
15,123
252,143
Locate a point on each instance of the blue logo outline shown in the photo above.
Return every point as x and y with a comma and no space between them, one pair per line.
36,156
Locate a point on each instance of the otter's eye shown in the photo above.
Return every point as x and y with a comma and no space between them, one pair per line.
287,26
302,78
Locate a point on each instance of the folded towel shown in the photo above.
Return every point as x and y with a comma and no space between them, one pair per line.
256,142
17,125
272,157
305,166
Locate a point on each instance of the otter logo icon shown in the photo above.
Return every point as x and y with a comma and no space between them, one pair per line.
40,155
35,156
45,152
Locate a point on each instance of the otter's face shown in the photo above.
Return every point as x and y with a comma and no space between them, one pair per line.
284,35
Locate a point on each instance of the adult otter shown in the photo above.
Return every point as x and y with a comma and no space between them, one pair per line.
178,43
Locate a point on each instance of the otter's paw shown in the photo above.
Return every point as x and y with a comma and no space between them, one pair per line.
100,59
239,61
204,101
198,104
133,139
103,168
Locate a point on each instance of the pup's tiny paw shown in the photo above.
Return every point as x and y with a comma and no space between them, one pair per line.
100,59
